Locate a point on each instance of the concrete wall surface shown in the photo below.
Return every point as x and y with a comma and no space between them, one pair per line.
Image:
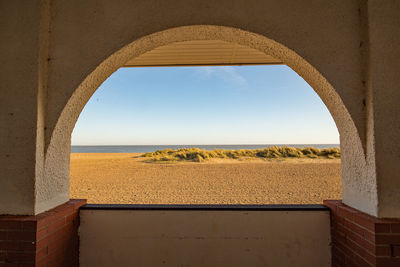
384,86
54,55
204,238
319,40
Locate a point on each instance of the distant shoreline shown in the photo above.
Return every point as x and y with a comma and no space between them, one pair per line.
153,148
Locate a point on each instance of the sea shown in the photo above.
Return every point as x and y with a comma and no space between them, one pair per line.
152,148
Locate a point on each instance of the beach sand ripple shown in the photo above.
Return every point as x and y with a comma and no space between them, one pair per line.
126,179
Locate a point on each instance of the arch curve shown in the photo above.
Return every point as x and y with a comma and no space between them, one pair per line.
58,141
90,84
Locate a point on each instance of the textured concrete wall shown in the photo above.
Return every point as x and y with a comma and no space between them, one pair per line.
19,58
204,238
333,45
89,42
384,84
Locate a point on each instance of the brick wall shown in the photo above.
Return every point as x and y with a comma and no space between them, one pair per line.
359,239
47,239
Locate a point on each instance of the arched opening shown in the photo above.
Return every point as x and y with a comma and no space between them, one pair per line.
59,141
230,113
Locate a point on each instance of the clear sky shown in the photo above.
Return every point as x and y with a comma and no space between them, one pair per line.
205,105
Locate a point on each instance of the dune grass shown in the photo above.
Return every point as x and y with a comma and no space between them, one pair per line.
199,155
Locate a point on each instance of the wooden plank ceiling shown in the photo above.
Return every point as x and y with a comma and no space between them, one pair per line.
201,53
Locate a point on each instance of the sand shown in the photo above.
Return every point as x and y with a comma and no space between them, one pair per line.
125,178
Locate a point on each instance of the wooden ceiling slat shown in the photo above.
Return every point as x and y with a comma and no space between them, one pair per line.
188,57
212,52
202,53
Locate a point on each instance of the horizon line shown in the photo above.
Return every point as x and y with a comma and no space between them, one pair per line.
220,144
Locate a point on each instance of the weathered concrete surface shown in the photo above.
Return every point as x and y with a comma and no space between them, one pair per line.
204,238
85,41
19,76
384,84
327,43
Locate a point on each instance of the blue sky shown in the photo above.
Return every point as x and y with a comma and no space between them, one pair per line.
205,105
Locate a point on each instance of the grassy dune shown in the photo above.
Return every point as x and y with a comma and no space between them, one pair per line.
199,155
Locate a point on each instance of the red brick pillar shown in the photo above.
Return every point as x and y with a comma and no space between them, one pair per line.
359,239
47,239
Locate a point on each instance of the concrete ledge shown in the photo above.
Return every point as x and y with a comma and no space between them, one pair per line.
286,207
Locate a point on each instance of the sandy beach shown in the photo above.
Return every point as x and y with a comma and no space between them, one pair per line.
124,178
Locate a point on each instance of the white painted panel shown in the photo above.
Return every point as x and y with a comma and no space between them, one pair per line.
204,238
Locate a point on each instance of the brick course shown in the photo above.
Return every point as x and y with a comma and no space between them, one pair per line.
47,239
359,239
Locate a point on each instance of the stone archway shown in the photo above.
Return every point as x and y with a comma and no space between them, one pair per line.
54,185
